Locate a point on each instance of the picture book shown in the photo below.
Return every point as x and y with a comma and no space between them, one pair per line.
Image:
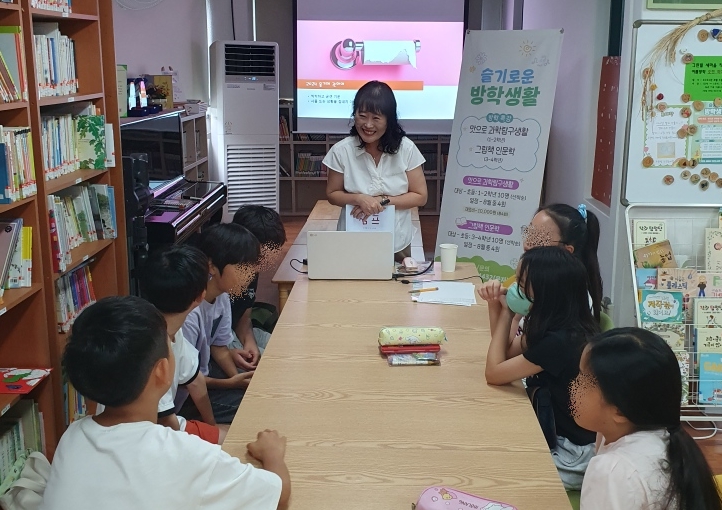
671,332
648,232
646,278
655,255
713,249
709,339
683,360
90,139
709,284
661,306
683,280
21,380
710,378
707,312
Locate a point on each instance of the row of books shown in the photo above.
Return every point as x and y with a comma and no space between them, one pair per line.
284,135
80,214
13,81
73,293
74,404
14,270
309,165
304,137
21,431
55,61
73,142
16,254
53,5
17,168
431,163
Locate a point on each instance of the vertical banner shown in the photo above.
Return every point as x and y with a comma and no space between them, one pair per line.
498,145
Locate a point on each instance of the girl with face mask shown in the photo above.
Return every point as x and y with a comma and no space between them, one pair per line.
551,292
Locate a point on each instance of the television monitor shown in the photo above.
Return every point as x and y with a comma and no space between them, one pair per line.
413,45
161,138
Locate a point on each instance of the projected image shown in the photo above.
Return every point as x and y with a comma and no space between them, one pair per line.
419,58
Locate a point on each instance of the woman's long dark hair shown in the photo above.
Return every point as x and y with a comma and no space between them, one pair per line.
557,280
377,97
583,235
638,373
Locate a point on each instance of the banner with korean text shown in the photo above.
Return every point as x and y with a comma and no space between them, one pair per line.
498,145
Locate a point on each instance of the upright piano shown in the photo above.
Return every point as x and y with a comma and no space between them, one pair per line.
162,206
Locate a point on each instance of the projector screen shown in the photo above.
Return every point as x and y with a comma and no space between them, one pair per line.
413,45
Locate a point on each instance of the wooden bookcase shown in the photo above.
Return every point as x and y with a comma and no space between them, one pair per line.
299,193
27,316
195,146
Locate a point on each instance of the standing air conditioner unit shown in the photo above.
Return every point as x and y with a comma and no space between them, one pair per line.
244,122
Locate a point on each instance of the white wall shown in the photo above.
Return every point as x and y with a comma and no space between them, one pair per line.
570,158
170,34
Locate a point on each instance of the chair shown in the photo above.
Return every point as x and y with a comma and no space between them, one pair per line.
574,499
605,322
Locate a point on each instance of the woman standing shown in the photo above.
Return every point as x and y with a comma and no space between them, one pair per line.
377,166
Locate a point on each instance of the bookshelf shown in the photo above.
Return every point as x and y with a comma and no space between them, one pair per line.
28,320
299,190
195,146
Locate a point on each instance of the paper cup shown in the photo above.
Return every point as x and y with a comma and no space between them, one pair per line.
448,257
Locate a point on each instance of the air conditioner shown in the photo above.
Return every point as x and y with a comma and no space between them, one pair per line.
244,122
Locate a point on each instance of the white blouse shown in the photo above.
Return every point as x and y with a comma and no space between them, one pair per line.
361,175
627,474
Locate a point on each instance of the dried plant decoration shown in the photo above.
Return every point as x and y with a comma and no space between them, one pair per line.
666,50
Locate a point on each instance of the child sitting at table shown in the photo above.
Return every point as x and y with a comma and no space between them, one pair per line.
174,281
119,354
629,391
232,253
266,225
551,292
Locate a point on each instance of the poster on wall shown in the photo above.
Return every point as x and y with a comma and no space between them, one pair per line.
498,145
675,120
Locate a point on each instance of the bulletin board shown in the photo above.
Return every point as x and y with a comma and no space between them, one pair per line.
673,149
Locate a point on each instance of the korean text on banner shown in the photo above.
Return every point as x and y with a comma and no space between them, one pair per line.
498,145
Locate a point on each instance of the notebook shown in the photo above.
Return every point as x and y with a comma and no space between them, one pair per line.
339,255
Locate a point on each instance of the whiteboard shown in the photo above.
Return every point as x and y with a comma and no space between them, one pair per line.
659,137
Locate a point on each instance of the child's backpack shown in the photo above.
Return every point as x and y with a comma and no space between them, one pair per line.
26,493
445,498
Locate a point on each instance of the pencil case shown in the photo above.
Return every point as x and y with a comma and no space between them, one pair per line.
417,358
408,349
440,498
411,336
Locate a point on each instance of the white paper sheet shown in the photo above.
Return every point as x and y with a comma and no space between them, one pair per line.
448,293
385,221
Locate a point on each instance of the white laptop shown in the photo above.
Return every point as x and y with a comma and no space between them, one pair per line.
339,255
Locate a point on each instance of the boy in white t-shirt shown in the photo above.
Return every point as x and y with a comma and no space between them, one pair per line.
174,281
119,354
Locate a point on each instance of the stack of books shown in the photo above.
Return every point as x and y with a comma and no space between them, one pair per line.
55,58
21,432
75,405
73,293
77,215
73,142
17,169
53,5
283,134
309,165
13,82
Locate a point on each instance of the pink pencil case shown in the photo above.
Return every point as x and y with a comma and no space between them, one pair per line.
444,498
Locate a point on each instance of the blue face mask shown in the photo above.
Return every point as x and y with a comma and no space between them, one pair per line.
517,301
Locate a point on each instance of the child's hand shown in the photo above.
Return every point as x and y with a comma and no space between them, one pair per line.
491,290
268,447
247,359
241,380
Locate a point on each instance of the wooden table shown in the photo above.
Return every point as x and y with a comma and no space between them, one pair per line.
323,217
363,435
